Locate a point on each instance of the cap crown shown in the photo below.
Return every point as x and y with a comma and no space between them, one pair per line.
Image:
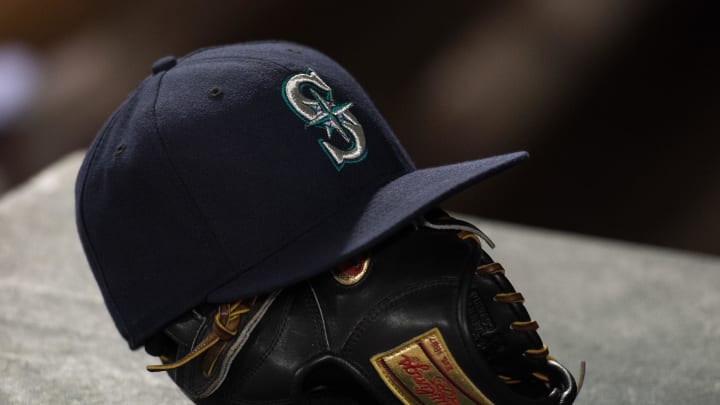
217,163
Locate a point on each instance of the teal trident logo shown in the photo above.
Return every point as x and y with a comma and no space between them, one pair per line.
310,98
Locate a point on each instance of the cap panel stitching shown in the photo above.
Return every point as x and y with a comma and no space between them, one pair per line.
242,44
189,197
234,58
107,292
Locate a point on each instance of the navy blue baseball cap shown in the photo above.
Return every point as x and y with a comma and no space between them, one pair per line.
238,170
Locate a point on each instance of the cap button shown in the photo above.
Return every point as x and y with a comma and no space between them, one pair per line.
163,64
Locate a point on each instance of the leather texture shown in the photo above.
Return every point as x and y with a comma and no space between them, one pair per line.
315,342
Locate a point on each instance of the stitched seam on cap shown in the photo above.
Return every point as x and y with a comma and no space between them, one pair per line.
111,300
241,44
236,59
233,273
246,45
186,191
395,146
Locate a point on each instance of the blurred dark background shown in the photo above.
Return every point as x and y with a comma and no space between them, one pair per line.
616,100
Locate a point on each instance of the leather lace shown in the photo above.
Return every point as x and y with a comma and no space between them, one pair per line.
542,353
510,297
225,327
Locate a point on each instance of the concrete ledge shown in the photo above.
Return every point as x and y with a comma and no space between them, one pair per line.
645,319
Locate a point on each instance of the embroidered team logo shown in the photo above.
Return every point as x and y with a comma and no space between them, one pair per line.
311,99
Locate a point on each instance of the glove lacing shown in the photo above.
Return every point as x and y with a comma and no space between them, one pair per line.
225,326
490,270
493,269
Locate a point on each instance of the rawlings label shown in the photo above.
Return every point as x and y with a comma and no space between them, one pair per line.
311,99
423,371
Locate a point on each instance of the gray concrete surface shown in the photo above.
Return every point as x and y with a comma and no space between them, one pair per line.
645,319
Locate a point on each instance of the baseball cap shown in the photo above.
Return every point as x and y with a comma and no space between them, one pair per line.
238,170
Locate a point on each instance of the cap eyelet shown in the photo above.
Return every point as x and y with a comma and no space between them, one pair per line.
120,149
215,92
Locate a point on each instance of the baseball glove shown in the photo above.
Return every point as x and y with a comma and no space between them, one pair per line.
426,317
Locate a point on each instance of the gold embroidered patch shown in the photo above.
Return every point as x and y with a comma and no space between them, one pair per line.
422,371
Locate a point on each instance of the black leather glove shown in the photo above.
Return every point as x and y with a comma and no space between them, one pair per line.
424,318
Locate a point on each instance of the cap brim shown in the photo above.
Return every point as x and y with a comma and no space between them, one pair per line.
361,225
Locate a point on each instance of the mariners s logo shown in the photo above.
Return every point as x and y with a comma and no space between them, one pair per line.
311,99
